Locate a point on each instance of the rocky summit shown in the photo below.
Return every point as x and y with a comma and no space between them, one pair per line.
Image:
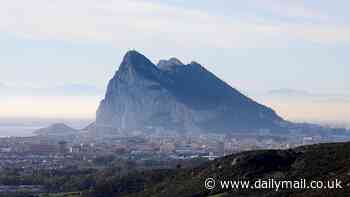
172,96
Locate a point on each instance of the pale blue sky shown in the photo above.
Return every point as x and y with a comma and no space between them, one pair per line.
254,45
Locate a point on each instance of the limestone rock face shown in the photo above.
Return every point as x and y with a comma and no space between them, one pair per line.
174,96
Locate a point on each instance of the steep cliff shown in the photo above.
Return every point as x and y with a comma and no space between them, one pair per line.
174,96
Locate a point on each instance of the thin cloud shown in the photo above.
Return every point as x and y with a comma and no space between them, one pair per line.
293,9
135,23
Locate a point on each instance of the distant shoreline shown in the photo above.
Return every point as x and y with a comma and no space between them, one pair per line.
25,127
18,131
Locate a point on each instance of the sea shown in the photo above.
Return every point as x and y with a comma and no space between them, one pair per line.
26,127
18,131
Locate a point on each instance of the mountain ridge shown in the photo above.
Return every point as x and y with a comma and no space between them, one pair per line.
319,162
175,96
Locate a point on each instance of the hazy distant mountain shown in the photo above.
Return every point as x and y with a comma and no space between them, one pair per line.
175,96
289,92
292,94
74,89
61,90
3,88
56,129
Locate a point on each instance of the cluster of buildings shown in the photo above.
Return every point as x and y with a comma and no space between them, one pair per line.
53,152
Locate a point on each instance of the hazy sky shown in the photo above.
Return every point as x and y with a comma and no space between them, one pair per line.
254,45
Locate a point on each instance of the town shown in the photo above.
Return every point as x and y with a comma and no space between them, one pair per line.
52,152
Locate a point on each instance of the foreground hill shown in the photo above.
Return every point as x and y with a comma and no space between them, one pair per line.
317,162
175,96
